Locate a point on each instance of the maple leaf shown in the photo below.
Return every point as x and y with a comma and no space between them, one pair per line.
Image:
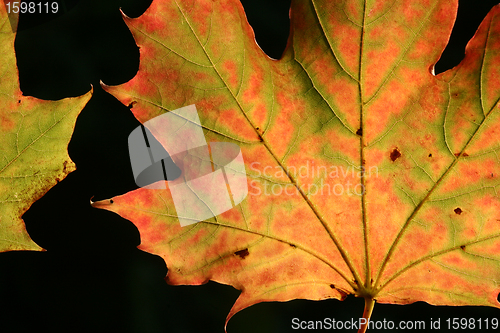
367,174
34,135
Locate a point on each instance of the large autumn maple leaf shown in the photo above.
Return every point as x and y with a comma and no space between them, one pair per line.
34,136
367,174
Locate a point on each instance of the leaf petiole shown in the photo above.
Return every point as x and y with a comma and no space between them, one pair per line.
369,304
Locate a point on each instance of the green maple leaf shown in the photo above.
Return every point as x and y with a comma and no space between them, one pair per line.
367,174
34,135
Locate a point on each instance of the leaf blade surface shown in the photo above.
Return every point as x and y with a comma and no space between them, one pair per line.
356,153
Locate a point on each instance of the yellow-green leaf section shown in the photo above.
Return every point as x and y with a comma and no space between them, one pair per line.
34,135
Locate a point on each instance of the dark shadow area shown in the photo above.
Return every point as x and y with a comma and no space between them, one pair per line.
119,291
469,16
59,55
92,278
270,21
335,316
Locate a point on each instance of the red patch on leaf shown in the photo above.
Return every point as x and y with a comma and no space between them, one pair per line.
347,39
259,116
378,64
255,82
6,123
232,70
237,124
345,97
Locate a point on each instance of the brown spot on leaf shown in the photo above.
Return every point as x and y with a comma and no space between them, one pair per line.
131,105
457,211
395,154
462,247
111,201
465,154
430,155
294,246
242,253
343,294
359,132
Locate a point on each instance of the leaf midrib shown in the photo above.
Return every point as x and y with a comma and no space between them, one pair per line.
362,162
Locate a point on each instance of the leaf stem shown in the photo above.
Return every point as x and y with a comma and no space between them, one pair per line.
367,313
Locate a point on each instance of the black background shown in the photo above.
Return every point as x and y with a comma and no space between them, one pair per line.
92,278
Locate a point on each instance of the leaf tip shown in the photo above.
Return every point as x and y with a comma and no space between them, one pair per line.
101,203
103,85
